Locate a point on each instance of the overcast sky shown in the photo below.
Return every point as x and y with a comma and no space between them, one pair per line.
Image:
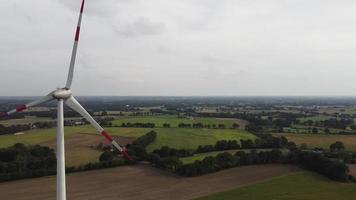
180,47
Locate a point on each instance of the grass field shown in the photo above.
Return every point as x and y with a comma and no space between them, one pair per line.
298,186
323,141
31,119
201,156
297,128
315,118
173,120
26,120
189,138
332,110
80,138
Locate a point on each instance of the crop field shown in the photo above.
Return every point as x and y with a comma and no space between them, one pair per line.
173,120
189,138
315,118
298,186
297,128
30,120
26,120
323,141
140,182
80,140
332,110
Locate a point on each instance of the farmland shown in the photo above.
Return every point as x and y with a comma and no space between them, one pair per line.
323,141
315,118
173,120
80,140
140,182
26,120
201,156
301,185
192,138
184,127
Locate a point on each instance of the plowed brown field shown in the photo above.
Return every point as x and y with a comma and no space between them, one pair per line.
139,182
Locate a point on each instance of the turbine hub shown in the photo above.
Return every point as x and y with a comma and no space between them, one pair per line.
62,93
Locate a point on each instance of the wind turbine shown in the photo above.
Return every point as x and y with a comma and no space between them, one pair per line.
64,95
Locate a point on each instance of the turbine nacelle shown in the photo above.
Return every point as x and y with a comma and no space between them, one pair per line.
62,93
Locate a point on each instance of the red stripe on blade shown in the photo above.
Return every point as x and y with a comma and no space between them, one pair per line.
126,155
77,33
82,7
21,108
106,135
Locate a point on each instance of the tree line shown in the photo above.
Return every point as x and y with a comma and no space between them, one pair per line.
264,141
104,121
332,168
138,125
315,161
20,161
330,123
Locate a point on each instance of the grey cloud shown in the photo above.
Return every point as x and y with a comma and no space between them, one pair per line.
95,7
181,47
141,26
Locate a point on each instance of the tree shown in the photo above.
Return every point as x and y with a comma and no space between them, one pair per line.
225,160
247,144
221,145
337,146
106,156
221,126
303,146
315,130
171,163
166,125
291,146
235,125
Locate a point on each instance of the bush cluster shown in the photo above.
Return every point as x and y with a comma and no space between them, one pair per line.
265,141
166,151
20,161
227,160
138,125
201,125
13,129
316,161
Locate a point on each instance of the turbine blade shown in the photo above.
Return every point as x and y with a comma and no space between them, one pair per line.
75,47
23,107
75,105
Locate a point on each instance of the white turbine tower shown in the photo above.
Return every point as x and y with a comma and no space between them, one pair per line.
65,95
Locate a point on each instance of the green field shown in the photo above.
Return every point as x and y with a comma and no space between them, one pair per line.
333,110
187,138
297,128
173,137
320,140
315,118
298,186
201,156
173,120
30,120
